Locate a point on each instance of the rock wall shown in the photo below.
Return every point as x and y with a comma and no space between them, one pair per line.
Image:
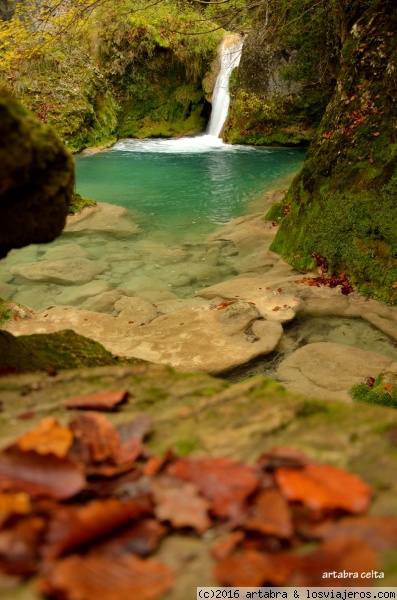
343,203
274,100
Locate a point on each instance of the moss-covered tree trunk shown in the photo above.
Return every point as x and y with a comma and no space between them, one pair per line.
344,201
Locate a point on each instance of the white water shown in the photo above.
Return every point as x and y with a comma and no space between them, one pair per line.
230,58
187,145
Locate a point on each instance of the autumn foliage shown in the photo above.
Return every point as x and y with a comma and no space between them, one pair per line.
84,507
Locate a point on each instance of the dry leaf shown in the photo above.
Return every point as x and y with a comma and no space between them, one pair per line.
99,401
49,437
88,577
39,475
270,515
225,482
71,527
322,487
179,503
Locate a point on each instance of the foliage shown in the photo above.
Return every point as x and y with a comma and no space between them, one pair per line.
383,391
78,203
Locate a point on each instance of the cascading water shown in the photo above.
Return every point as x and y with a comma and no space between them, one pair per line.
230,57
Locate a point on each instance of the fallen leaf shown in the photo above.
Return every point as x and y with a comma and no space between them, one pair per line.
141,538
270,515
225,548
14,504
88,577
283,457
322,487
49,437
99,401
179,503
71,527
96,440
377,133
39,475
225,482
377,531
19,546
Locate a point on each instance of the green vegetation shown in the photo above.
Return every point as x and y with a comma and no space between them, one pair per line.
78,203
384,391
127,71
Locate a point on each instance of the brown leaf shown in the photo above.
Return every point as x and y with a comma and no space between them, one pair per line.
377,133
128,577
225,482
141,538
99,401
225,548
19,546
322,487
283,457
39,475
270,515
49,437
96,438
14,504
135,429
179,503
71,527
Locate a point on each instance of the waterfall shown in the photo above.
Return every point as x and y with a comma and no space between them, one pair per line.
230,57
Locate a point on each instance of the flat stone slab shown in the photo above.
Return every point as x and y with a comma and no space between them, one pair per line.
102,217
193,339
328,370
71,271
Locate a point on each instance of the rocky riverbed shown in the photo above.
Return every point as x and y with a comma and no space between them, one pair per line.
122,298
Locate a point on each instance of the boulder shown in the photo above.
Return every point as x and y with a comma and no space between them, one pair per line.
36,178
103,217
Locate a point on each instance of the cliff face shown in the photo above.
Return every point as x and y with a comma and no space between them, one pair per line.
284,82
344,201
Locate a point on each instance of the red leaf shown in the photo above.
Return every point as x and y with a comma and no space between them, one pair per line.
100,401
225,482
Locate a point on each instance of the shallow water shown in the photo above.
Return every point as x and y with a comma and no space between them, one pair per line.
176,193
353,332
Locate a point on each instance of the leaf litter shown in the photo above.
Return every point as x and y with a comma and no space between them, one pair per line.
84,508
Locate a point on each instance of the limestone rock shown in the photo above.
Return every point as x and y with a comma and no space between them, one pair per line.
198,339
138,310
103,217
77,294
36,175
105,302
62,251
67,272
327,370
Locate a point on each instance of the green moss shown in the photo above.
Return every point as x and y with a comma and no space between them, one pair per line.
78,203
5,311
276,213
61,350
384,391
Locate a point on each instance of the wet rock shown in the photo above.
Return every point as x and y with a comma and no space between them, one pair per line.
103,217
36,175
105,302
67,272
62,251
327,370
77,294
138,310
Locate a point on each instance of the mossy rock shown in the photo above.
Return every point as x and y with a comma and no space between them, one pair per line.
37,175
344,201
384,391
62,350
